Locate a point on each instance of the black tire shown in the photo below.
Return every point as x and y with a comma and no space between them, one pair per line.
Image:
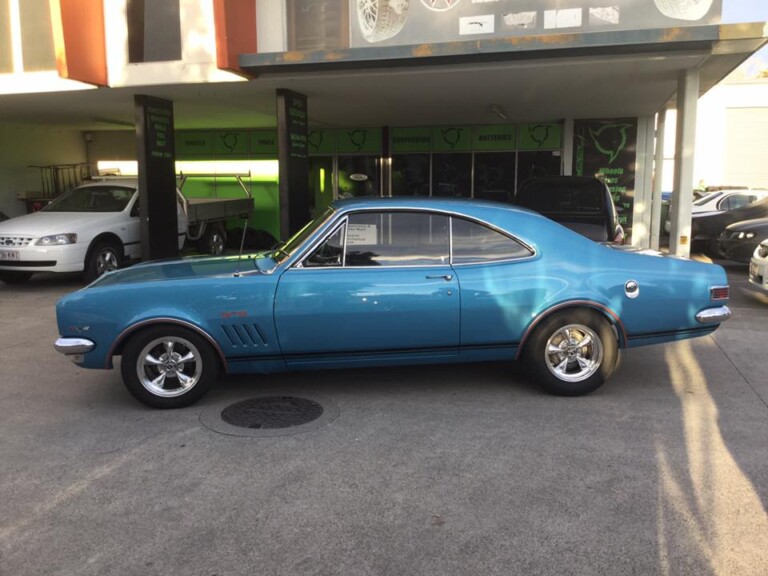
214,241
159,385
573,370
14,277
104,256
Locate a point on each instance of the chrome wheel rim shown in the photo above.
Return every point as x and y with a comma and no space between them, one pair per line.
574,353
169,367
106,261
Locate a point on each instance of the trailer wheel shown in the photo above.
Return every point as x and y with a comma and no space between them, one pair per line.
213,241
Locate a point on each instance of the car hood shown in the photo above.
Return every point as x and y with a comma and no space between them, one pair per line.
44,223
184,269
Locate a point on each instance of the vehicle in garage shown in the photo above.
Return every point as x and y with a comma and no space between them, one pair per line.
388,281
95,228
707,227
758,266
739,240
580,203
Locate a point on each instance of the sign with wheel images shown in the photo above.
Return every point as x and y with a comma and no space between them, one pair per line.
409,22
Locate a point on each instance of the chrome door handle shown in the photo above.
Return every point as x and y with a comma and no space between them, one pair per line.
446,277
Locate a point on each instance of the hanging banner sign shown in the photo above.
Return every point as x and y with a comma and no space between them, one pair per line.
359,140
232,144
321,142
607,150
264,143
194,144
405,140
540,136
452,139
494,138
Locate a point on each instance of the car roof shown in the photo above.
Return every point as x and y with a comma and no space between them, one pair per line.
423,202
112,180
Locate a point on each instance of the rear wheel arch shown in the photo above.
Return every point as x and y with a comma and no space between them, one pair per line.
598,309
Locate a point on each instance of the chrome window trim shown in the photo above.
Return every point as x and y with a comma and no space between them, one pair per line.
298,264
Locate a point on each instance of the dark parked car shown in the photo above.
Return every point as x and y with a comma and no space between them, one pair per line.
580,203
738,241
706,228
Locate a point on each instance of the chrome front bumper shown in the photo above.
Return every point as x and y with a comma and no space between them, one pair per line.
713,315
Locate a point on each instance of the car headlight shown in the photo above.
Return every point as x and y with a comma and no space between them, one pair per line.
761,251
56,240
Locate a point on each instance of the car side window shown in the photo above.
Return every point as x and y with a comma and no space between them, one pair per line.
329,253
396,239
473,242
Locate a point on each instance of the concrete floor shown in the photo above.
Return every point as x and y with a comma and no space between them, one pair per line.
430,470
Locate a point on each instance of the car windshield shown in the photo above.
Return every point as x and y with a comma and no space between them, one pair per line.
92,199
285,250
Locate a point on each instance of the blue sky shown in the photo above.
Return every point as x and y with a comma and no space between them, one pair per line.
745,11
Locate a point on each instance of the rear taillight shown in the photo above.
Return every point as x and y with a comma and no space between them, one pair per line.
719,293
618,235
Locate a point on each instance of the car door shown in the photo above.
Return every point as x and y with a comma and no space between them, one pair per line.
378,286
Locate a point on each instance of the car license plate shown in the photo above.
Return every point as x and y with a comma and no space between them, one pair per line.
9,255
752,270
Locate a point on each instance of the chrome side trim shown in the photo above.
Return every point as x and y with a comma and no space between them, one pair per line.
713,315
73,345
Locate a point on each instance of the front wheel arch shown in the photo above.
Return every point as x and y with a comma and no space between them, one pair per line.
119,344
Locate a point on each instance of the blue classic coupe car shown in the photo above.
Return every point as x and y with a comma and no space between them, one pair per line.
390,282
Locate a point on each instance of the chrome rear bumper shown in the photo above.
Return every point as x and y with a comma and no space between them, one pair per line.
713,315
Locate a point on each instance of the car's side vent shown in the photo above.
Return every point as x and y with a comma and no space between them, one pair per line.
245,335
719,293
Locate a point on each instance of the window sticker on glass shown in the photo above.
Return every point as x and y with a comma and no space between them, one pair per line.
361,234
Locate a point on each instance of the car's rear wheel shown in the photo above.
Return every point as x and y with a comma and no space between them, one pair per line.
103,257
168,366
14,277
572,352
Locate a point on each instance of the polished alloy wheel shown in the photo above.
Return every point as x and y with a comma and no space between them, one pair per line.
574,353
169,367
107,261
217,244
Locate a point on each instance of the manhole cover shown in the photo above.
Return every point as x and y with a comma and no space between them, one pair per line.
271,412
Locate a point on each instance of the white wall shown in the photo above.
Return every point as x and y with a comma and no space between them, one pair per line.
21,147
712,134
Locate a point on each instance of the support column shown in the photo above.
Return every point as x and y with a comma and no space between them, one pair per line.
157,178
292,118
682,194
658,180
641,217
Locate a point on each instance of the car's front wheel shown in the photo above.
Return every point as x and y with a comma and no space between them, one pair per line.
572,352
168,366
104,256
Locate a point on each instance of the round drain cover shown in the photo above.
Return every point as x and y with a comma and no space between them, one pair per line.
270,412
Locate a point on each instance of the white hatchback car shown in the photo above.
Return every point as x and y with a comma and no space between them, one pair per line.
758,266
